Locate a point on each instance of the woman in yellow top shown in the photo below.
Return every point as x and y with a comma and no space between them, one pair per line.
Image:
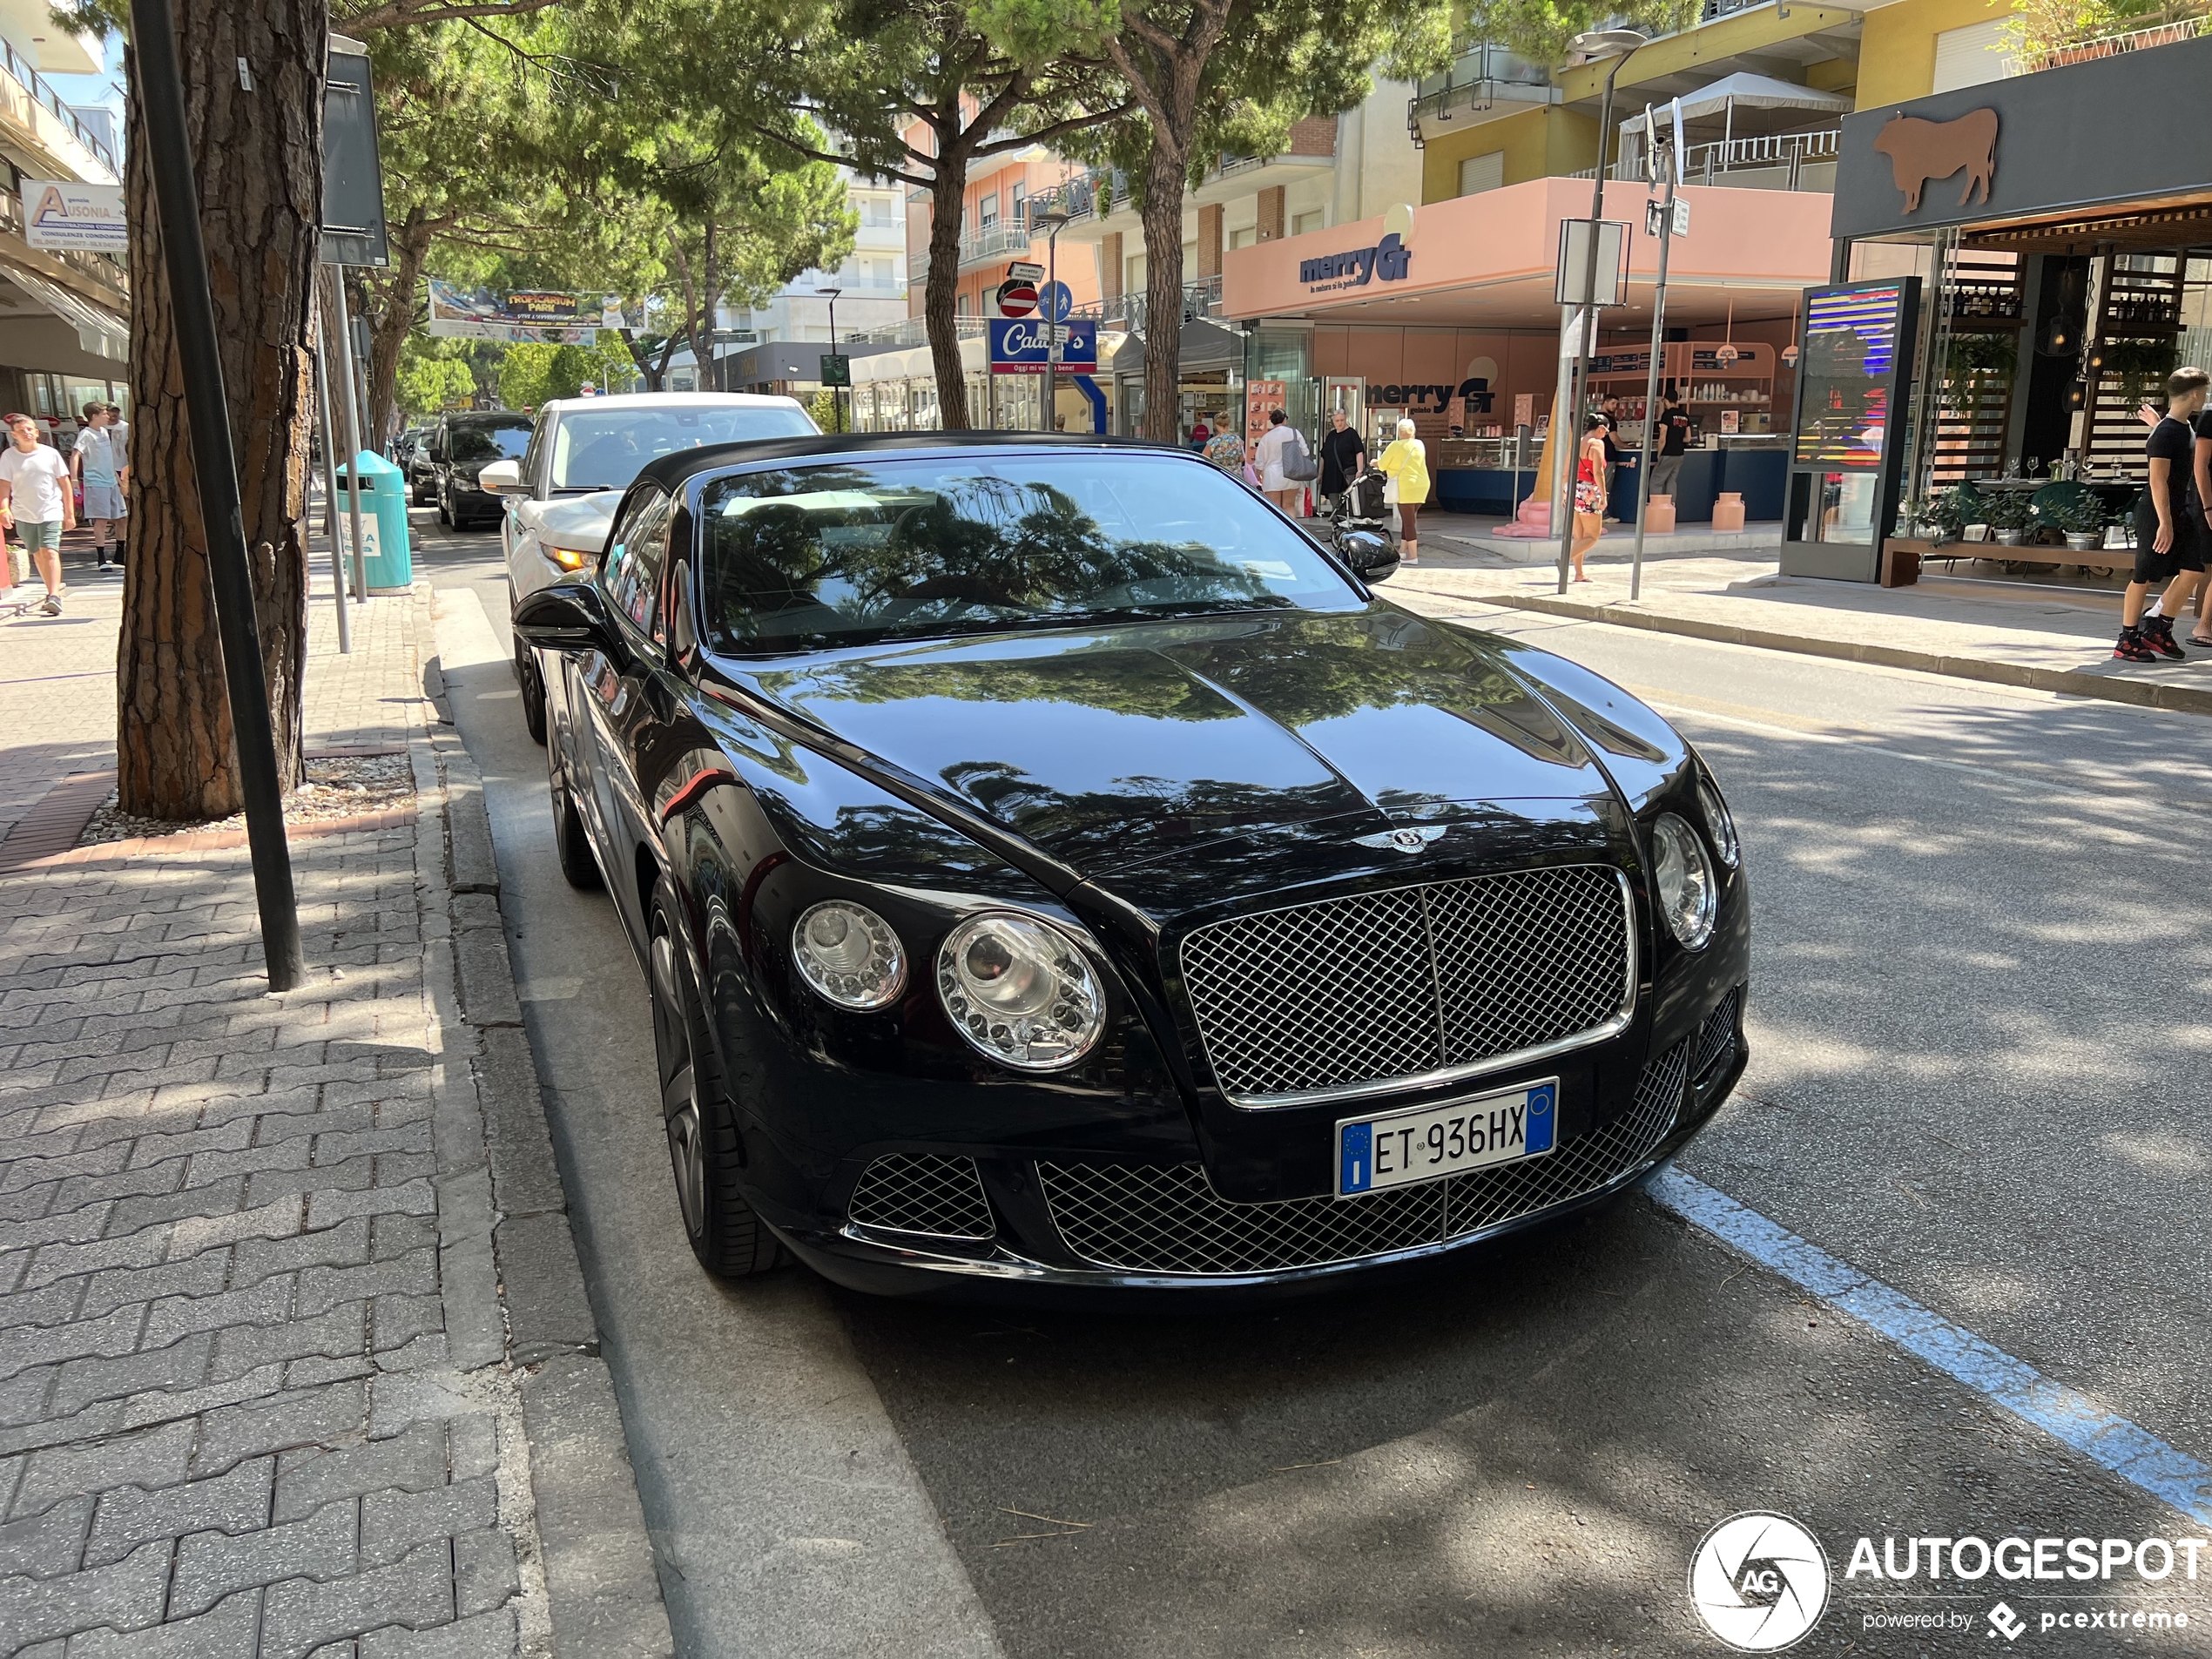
1406,464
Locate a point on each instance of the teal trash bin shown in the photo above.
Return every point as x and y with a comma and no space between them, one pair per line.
388,559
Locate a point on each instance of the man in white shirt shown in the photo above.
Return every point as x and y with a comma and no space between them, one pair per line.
36,503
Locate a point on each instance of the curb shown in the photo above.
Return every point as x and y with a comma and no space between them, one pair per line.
2151,694
508,1255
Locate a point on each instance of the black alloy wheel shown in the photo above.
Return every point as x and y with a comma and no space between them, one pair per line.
533,687
729,1238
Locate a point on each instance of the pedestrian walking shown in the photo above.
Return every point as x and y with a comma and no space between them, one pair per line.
1227,450
1674,442
1404,464
103,471
1343,456
1590,493
36,502
2170,531
1271,456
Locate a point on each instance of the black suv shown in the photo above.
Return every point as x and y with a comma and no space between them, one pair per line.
461,447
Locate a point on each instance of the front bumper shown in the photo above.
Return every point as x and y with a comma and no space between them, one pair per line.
917,1222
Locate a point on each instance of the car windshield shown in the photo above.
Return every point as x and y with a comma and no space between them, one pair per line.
474,444
604,450
804,557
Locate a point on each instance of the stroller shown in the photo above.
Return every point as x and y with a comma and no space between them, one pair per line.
1361,508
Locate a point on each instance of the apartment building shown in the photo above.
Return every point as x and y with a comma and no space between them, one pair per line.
64,328
871,286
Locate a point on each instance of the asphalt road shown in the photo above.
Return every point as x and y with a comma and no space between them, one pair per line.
1980,1076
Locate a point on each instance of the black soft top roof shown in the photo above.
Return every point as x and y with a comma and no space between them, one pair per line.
670,470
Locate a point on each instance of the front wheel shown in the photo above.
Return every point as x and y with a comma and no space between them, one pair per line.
571,841
725,1233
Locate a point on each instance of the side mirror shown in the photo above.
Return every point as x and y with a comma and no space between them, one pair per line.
502,478
569,615
1371,554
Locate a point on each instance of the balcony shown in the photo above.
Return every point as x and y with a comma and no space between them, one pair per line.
915,332
1201,303
36,106
996,241
1483,81
1771,161
2165,34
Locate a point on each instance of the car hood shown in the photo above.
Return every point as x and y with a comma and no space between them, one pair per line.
1110,748
578,521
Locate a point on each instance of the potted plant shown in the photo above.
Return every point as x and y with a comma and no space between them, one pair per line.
1948,513
2008,514
2083,521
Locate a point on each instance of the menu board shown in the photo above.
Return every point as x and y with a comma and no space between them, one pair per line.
1847,373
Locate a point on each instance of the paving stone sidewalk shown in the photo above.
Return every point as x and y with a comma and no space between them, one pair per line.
2045,635
295,1358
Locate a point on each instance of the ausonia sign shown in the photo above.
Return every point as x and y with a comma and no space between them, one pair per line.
1388,259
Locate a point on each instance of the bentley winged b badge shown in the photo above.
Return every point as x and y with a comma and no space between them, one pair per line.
1401,840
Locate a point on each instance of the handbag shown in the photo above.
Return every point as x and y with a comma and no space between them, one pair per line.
1298,464
1390,490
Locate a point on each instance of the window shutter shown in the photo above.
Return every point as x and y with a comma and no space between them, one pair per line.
1478,173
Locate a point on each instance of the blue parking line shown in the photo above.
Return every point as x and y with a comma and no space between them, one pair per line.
2171,1476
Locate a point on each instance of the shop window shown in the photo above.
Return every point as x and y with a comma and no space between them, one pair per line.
1478,173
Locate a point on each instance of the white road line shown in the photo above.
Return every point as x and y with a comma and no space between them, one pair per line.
2135,1456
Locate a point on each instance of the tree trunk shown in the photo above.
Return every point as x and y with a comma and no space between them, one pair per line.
1162,213
256,164
948,214
394,322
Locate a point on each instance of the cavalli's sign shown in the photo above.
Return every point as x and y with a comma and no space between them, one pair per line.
1389,259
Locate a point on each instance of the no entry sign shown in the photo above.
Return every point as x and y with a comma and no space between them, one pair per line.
1017,296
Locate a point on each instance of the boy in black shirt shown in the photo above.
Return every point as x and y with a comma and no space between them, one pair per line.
2170,529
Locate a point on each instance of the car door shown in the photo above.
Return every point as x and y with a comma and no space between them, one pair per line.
518,528
614,694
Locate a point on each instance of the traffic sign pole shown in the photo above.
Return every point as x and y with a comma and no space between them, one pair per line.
1649,458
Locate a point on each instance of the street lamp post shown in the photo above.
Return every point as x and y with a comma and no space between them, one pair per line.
1602,43
837,402
1054,222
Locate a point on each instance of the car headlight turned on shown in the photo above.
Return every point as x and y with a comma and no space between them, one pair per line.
1684,876
1719,824
570,558
1021,991
849,954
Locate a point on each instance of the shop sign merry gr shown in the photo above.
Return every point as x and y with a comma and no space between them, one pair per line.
1389,259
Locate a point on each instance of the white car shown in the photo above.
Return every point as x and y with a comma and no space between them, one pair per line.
584,452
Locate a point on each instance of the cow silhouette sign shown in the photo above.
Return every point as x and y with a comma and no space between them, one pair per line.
1923,153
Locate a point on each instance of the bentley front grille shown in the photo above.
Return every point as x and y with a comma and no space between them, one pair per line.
1153,1218
922,1193
1717,1037
1441,978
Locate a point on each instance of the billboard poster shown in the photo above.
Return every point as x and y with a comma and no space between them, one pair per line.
1260,397
60,214
523,315
1847,377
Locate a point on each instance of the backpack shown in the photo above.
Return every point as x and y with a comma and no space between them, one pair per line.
1298,464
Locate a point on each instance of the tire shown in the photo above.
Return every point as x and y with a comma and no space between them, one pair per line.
571,840
533,686
726,1235
445,513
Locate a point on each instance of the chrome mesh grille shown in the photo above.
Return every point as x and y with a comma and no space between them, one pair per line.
1717,1037
923,1193
1169,1219
1407,981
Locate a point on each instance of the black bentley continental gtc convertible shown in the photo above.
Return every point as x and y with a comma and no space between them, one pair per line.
1051,868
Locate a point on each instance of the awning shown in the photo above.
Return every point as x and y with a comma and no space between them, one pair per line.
1204,346
102,333
1744,91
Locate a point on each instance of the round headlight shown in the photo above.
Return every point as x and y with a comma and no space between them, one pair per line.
850,955
1718,824
1021,991
1684,877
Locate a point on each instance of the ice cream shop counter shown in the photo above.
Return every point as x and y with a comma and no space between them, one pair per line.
1484,475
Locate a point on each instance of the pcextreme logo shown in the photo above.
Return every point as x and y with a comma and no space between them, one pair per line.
1759,1582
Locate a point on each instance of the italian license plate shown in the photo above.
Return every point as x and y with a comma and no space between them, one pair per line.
1401,1147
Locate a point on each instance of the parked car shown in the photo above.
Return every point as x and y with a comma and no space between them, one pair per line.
584,453
421,468
404,444
462,446
1051,870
